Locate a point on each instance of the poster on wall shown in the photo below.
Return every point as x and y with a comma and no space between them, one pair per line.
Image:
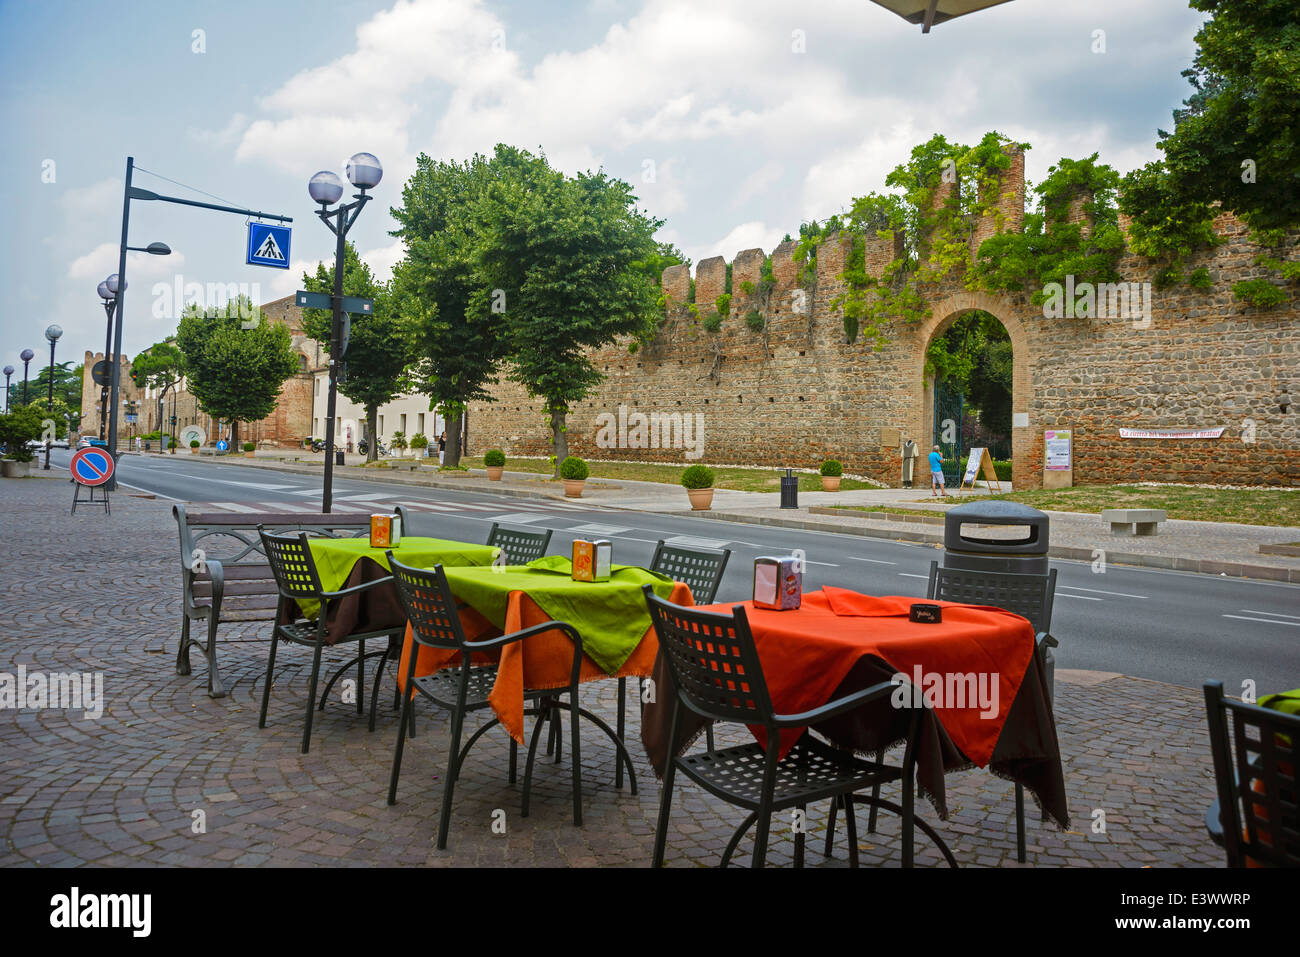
1056,449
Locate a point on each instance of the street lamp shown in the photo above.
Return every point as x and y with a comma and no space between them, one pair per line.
929,12
26,355
9,370
364,172
52,332
108,290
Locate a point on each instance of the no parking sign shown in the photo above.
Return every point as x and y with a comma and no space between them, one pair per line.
92,466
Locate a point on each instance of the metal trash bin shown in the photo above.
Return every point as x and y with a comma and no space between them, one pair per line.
789,490
1020,555
338,456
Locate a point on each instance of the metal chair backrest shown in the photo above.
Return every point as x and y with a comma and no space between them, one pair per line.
429,605
713,661
700,568
519,545
1029,596
291,564
1255,775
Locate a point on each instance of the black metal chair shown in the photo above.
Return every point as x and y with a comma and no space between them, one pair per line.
296,578
1256,816
702,570
717,674
519,545
1030,596
435,623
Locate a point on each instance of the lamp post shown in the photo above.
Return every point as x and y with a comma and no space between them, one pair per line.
52,332
364,172
9,370
109,299
26,355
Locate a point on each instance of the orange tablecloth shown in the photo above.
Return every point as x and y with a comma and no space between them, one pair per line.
541,661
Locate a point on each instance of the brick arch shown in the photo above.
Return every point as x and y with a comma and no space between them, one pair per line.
943,314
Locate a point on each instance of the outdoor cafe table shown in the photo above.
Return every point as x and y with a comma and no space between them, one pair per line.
840,641
347,562
618,639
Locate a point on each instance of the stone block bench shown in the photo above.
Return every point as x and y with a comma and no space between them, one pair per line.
1139,521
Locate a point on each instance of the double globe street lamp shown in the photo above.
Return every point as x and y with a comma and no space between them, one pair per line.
364,172
26,355
9,371
52,332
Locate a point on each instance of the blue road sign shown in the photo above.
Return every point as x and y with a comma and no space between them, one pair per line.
223,445
268,245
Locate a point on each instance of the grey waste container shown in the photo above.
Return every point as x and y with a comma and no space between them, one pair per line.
1023,553
338,456
789,490
986,549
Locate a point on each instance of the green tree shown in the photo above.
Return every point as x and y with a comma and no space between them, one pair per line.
162,367
67,385
377,353
1245,110
235,369
18,427
561,253
457,350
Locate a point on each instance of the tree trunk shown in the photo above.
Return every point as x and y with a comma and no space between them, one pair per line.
559,436
234,435
372,432
451,455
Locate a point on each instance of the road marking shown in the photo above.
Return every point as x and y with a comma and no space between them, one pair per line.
874,561
1099,591
910,575
594,529
809,561
1271,621
1278,614
692,542
518,518
1063,594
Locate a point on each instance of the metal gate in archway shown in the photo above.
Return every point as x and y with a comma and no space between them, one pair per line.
948,407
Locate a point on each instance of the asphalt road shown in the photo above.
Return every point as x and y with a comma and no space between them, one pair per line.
1167,626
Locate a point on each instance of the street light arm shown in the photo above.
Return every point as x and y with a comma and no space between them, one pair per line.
136,192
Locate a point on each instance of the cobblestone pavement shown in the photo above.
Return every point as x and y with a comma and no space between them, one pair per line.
86,593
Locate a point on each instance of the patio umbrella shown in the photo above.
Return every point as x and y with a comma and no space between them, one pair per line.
929,12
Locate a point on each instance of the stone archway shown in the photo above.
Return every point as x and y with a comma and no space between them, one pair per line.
1025,472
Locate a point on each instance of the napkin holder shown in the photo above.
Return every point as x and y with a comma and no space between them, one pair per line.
385,531
592,561
778,582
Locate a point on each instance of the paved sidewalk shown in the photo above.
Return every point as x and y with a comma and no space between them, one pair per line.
1215,548
168,776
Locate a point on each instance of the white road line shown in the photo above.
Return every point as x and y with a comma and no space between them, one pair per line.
595,529
1099,591
518,518
1062,594
1277,614
910,575
874,561
1271,621
809,561
692,541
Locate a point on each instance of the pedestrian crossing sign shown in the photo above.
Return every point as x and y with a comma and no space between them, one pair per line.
268,245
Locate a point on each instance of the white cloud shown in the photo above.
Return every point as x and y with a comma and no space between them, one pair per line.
97,199
102,261
758,182
755,235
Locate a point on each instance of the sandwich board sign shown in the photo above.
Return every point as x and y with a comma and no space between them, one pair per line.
268,245
979,461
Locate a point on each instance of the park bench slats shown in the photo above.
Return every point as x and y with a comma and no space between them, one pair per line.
247,591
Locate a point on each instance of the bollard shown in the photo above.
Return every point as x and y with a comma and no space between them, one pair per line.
789,490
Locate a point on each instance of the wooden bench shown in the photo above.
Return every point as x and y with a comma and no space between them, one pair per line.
225,575
1139,521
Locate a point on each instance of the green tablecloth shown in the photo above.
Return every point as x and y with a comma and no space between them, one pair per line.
611,616
336,557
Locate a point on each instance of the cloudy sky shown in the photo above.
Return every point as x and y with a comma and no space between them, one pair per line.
735,119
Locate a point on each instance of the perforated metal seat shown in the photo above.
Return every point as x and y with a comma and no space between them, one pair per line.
716,673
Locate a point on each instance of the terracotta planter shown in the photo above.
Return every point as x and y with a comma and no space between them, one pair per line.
194,451
11,468
701,498
494,474
573,487
831,483
250,455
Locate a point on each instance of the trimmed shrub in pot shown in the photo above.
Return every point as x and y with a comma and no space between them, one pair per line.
698,482
495,461
832,471
574,472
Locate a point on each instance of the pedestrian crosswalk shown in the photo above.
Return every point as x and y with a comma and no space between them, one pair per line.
363,503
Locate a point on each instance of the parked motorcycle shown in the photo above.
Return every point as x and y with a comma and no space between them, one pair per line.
364,448
318,445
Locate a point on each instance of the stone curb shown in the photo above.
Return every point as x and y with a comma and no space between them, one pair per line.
878,516
1064,552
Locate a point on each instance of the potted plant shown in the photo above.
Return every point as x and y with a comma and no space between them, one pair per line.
398,442
574,471
419,442
249,450
17,428
832,471
698,482
194,446
495,460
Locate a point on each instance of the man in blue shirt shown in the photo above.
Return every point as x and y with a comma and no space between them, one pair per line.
936,473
